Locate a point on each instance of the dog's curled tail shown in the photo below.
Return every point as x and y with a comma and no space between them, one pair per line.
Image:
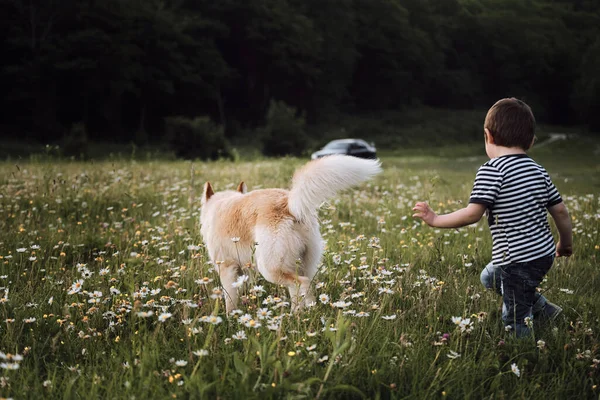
321,179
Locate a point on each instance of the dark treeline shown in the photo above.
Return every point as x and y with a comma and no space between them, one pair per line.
118,68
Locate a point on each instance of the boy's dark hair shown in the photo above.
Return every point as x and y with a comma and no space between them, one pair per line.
511,123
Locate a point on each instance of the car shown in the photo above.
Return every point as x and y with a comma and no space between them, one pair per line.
351,147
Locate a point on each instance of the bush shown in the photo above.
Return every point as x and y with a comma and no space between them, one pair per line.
284,132
75,143
199,137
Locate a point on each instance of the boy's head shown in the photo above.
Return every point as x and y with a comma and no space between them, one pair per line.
511,122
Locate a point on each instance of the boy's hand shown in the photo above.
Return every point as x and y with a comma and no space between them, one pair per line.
423,211
563,251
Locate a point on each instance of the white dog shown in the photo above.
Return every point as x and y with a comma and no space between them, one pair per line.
280,227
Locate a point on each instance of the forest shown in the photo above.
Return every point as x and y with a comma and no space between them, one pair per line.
120,70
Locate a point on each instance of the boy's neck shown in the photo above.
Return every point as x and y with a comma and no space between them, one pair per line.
495,151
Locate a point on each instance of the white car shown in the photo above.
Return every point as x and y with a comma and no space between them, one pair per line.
351,147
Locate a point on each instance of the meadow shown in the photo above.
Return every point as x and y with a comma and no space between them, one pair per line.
106,290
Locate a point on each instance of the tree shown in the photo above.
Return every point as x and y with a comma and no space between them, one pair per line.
587,89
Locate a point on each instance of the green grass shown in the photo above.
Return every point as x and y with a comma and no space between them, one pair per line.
130,228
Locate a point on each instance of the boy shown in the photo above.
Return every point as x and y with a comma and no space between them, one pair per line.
514,192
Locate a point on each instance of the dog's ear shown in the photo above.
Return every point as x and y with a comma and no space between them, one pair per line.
207,193
242,188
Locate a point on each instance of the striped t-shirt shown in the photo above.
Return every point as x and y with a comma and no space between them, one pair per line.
517,192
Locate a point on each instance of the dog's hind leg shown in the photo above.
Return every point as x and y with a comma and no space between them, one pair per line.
310,260
277,256
228,272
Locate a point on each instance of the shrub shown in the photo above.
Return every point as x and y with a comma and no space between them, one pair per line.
75,142
199,137
284,132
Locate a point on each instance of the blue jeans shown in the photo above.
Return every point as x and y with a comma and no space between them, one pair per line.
517,284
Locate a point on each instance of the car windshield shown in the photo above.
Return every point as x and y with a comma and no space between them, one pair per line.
336,145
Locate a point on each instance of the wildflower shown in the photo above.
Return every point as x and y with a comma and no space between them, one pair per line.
215,320
322,359
453,355
257,289
95,297
76,287
164,316
181,363
341,304
86,273
240,335
11,357
529,322
541,344
203,281
263,313
515,369
324,298
240,281
145,314
389,317
465,325
29,320
21,250
253,324
9,366
200,353
481,316
244,318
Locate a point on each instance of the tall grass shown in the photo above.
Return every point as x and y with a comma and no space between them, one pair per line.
106,290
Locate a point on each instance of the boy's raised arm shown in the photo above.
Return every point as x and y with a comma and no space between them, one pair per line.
465,216
561,217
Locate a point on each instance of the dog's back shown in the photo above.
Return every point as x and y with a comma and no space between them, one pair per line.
238,214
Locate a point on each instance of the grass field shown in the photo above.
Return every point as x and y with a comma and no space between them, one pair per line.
105,289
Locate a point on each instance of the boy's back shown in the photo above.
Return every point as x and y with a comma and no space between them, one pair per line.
517,192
